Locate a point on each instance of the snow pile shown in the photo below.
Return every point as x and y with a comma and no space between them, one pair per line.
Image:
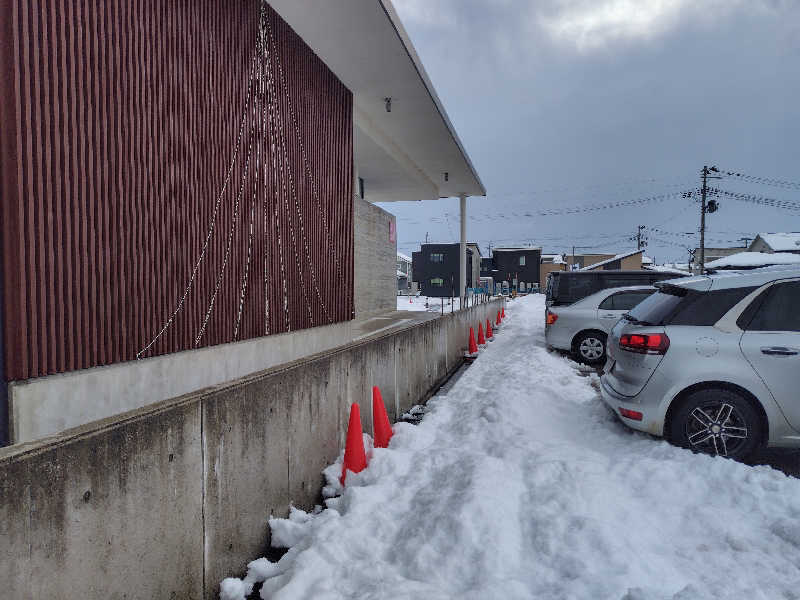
519,483
752,260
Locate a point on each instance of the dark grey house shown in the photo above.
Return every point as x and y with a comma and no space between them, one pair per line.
516,265
435,269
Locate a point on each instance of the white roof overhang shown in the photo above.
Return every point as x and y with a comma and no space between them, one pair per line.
403,154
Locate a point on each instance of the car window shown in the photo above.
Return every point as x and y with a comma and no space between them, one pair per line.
709,307
779,310
608,303
627,300
654,309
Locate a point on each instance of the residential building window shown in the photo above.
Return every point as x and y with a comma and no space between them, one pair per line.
437,281
521,261
437,257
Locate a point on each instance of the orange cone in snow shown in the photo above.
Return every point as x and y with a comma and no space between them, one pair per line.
503,312
489,335
481,339
473,347
355,459
380,420
498,320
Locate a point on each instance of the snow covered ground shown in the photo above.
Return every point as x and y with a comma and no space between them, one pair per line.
519,483
418,303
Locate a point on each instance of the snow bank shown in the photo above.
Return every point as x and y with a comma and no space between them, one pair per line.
519,483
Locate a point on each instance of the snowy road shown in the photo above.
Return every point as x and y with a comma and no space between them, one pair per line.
519,483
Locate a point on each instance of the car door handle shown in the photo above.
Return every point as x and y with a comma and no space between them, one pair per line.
779,351
609,316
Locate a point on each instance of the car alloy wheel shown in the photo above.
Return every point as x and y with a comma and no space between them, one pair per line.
717,422
591,348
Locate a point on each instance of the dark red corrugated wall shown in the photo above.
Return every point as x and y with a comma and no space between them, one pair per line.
174,175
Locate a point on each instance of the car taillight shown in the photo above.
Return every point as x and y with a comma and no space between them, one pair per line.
645,343
550,318
630,414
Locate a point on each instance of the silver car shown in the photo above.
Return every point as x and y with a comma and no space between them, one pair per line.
712,363
582,327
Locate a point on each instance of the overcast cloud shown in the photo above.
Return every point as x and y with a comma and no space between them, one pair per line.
572,102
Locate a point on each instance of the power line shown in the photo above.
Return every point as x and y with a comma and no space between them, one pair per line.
782,183
761,200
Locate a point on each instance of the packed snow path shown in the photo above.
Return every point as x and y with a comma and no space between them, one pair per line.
519,483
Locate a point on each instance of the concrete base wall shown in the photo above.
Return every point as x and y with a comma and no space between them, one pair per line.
47,405
167,500
375,260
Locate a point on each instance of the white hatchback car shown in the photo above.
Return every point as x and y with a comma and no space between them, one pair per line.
583,327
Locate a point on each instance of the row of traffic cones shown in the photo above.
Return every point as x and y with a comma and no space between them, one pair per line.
474,346
355,458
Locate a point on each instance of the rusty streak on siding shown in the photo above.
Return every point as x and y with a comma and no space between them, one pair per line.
118,127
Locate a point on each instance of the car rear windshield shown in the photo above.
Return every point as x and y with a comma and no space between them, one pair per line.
674,305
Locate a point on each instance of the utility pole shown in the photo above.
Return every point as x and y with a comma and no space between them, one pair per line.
704,208
746,241
640,241
703,193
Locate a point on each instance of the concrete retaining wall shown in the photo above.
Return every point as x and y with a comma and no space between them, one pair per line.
48,405
166,501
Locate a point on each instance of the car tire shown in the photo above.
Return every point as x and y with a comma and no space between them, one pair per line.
590,348
718,422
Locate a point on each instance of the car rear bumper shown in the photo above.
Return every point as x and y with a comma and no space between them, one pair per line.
647,405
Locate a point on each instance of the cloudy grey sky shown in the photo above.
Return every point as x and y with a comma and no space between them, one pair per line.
575,102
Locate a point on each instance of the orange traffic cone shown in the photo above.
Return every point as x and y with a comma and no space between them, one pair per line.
355,459
498,321
473,347
489,335
481,339
380,420
503,312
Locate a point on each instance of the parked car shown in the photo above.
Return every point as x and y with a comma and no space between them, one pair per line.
582,327
711,363
567,287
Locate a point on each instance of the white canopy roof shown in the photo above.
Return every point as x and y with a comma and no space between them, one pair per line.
403,154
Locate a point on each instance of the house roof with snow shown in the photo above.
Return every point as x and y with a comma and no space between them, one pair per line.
753,260
779,242
403,257
602,263
404,142
556,259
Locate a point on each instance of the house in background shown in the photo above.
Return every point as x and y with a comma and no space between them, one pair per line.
436,269
550,263
519,266
474,264
776,242
579,261
628,261
405,276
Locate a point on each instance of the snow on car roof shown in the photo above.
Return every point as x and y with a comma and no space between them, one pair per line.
753,260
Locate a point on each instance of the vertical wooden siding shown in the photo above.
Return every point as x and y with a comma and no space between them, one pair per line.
174,175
